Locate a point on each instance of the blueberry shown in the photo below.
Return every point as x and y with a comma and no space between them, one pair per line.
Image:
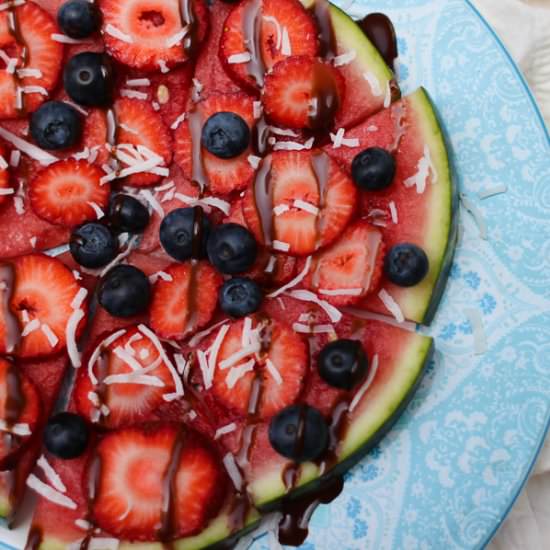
125,291
343,363
406,264
126,213
93,245
231,248
66,435
299,432
79,18
184,232
225,135
373,169
88,79
240,297
56,125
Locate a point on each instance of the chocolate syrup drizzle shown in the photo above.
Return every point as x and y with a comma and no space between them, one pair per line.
196,248
13,332
252,24
379,29
189,19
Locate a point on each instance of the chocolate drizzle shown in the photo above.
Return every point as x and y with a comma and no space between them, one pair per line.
320,164
326,100
196,250
252,26
189,20
13,333
198,176
15,31
379,29
321,12
263,198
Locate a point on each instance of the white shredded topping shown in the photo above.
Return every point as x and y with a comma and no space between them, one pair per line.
151,199
163,66
7,192
297,280
138,82
492,191
281,246
393,212
82,111
30,327
82,524
117,33
160,275
239,355
15,158
178,121
424,169
72,324
227,429
274,372
305,206
387,97
257,109
293,145
243,57
49,493
51,475
312,329
233,471
133,94
207,202
22,429
97,209
199,336
134,378
280,209
181,363
97,352
286,48
24,312
478,331
214,350
177,38
366,385
391,305
64,39
236,373
77,275
341,291
33,240
287,132
270,264
11,3
93,397
305,295
344,59
35,90
50,334
476,214
197,89
28,72
374,84
338,140
203,365
127,358
254,161
29,149
275,21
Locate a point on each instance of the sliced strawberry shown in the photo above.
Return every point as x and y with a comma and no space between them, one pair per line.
128,402
43,54
303,92
94,136
221,175
5,187
352,265
144,33
283,28
66,192
143,466
273,269
43,294
184,299
19,410
278,365
317,183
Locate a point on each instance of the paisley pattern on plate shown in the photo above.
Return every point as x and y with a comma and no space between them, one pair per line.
446,476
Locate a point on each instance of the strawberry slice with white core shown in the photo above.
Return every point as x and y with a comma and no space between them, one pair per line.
184,299
132,380
303,204
261,371
156,481
43,55
221,176
69,192
42,301
6,191
349,269
150,34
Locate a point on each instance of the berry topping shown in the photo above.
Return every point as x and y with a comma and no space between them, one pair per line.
220,170
88,79
303,203
373,169
92,245
184,300
125,291
69,192
240,297
79,18
231,248
406,264
126,213
43,295
248,51
56,125
66,435
302,92
165,482
184,233
300,433
343,364
225,135
350,268
265,359
129,395
19,409
150,34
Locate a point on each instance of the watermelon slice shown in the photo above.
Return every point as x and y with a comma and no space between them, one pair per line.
427,219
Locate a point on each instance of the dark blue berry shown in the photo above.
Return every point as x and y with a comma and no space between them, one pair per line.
240,297
125,291
92,245
66,435
225,135
126,213
184,233
79,18
56,125
299,432
406,264
232,248
343,364
373,169
88,79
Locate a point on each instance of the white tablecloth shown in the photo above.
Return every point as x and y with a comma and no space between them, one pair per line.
524,26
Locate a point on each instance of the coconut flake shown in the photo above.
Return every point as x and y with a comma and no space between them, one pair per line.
344,59
391,305
305,295
338,140
177,38
207,202
254,161
197,89
478,331
30,327
203,365
4,192
366,385
151,199
97,352
32,240
83,524
127,358
175,125
281,246
305,206
297,280
387,96
425,167
133,94
15,158
64,39
287,132
197,338
293,145
50,493
29,149
35,90
257,109
214,350
269,268
117,33
312,329
233,471
77,275
275,21
51,475
124,254
163,66
274,371
340,291
93,397
236,373
227,429
493,191
97,209
134,378
236,58
280,209
160,275
181,363
21,429
476,214
286,48
247,327
393,212
239,355
138,82
50,334
374,83
70,335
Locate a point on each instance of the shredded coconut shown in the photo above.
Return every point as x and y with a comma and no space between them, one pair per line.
160,275
287,132
97,209
64,39
138,82
133,94
476,215
236,373
243,57
305,295
286,48
21,429
239,355
30,327
424,169
181,363
269,268
151,199
124,254
177,38
274,372
297,280
233,471
312,329
344,59
227,429
97,352
50,493
387,96
134,378
28,72
205,371
175,125
257,109
33,240
275,21
15,158
366,385
29,149
341,291
214,350
254,161
117,33
199,336
293,145
391,305
51,475
163,66
82,524
4,192
281,246
478,331
374,83
306,206
338,140
280,209
393,212
50,334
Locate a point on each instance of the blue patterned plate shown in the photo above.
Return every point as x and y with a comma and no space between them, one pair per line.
448,473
